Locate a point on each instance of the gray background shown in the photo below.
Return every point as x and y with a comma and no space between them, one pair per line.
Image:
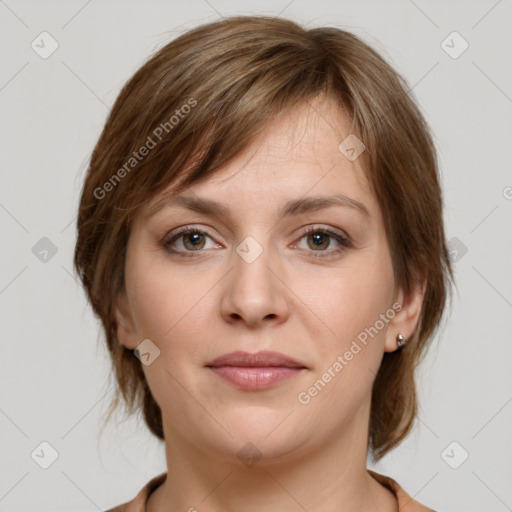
54,371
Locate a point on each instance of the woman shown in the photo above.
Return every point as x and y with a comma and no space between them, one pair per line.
260,232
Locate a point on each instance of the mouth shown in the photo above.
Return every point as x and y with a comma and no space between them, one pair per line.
256,371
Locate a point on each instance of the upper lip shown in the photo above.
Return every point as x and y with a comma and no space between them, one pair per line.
257,359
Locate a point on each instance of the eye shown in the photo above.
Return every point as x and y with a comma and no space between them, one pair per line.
188,239
320,239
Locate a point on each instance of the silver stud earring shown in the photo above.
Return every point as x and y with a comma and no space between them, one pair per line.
401,341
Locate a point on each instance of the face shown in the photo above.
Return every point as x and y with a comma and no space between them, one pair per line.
296,296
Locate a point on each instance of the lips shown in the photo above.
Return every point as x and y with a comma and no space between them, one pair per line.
255,371
255,360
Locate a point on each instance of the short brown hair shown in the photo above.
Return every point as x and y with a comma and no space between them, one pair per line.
236,75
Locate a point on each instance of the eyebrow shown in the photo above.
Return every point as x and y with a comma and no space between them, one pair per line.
293,207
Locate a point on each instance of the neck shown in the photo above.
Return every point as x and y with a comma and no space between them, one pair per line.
328,478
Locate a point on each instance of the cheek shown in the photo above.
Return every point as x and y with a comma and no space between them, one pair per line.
352,299
352,307
164,302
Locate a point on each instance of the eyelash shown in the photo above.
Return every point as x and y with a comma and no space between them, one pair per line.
344,241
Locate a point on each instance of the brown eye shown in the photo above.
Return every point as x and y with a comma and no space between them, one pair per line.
188,240
318,241
193,241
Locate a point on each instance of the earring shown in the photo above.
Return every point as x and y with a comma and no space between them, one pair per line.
401,341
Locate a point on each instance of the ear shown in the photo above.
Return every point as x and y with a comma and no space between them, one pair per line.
407,307
125,327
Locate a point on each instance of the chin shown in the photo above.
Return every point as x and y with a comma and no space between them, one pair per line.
259,432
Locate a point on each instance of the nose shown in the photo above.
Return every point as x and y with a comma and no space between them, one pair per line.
254,292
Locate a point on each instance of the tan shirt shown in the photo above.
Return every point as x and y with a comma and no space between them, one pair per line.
405,502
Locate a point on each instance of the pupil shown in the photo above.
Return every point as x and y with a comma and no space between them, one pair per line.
318,238
195,238
194,241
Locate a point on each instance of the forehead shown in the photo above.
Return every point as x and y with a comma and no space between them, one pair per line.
296,156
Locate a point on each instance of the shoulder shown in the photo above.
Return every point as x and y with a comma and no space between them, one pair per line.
405,502
138,504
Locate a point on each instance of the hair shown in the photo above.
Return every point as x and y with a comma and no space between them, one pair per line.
204,98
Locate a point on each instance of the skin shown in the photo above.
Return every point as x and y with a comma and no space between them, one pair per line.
288,300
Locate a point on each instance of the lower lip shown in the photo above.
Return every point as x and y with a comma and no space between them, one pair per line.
255,378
